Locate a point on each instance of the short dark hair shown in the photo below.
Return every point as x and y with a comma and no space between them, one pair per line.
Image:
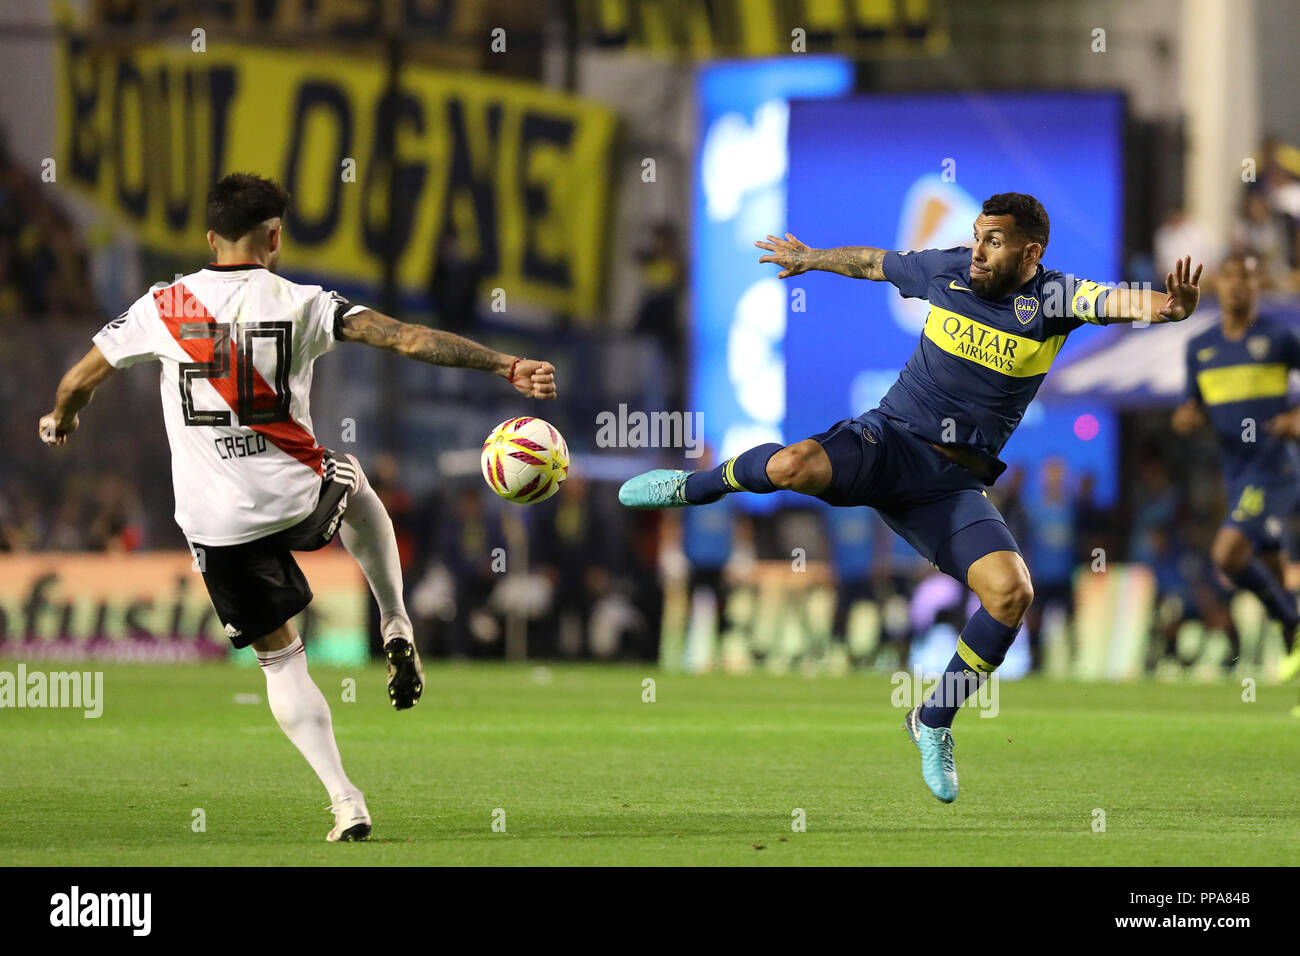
241,202
1028,213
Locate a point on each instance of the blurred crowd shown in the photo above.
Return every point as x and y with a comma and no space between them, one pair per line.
98,511
45,269
1267,224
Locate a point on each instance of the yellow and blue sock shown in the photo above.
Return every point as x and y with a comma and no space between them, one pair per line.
746,472
980,649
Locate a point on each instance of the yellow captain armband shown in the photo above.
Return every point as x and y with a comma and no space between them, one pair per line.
1089,302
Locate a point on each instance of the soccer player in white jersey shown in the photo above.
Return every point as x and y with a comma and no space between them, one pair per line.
236,344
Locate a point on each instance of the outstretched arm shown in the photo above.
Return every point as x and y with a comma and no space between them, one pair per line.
75,391
794,258
529,377
1181,295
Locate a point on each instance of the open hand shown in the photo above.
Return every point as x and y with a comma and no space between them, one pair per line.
789,253
1183,291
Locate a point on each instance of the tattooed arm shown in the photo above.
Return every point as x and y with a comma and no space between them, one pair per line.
794,257
529,377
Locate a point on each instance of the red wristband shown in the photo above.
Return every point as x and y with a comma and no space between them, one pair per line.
513,365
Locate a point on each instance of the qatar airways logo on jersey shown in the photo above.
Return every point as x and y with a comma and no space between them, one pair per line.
978,343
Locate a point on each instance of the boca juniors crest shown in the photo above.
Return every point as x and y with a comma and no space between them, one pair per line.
1026,308
1257,346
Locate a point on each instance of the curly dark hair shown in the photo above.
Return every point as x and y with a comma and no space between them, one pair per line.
241,202
1028,213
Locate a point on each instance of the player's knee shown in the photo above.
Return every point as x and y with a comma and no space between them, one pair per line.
1009,595
784,467
1229,555
796,467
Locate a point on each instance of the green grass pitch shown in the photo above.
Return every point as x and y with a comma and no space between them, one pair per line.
711,772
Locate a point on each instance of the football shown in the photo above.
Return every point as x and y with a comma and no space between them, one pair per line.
525,459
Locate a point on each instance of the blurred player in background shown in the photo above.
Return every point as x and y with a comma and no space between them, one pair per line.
1237,382
923,458
237,344
1051,526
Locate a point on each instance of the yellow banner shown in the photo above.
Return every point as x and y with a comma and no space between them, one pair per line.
518,173
754,28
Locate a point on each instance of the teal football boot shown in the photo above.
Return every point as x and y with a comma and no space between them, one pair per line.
660,488
937,767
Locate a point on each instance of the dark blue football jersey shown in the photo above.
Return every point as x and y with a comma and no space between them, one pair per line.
1242,384
980,362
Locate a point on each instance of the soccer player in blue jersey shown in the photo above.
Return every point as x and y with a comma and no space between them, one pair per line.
1237,380
923,458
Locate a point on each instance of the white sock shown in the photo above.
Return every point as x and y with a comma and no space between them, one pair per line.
367,533
300,710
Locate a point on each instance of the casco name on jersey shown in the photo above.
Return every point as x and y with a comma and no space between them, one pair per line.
240,446
1002,351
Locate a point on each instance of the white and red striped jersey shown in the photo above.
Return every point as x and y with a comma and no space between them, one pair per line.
237,344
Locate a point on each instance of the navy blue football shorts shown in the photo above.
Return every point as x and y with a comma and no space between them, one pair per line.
936,505
1259,508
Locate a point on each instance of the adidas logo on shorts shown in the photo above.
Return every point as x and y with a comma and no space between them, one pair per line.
333,526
